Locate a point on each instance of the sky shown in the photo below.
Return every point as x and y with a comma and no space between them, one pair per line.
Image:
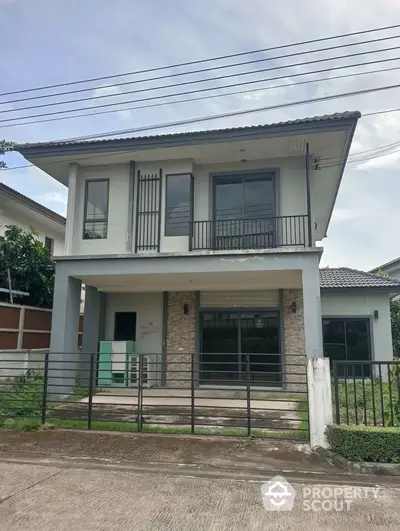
45,42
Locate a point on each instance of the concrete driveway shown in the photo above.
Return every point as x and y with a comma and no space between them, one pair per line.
82,497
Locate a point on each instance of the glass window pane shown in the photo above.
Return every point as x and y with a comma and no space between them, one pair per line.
333,331
97,200
96,210
229,200
178,205
258,199
358,344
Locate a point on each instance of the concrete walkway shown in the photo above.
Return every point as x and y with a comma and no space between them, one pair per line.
76,496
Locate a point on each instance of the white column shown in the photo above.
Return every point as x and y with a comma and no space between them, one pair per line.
72,190
312,310
64,332
319,400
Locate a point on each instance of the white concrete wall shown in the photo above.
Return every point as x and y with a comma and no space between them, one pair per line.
15,363
117,235
291,201
148,308
7,218
357,304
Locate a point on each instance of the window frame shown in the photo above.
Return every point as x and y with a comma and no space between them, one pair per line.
103,220
51,240
191,203
364,318
250,175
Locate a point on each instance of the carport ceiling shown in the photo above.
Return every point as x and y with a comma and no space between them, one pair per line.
258,280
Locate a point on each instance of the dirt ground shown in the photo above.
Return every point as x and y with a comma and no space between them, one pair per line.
160,448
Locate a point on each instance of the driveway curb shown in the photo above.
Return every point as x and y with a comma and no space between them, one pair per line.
362,467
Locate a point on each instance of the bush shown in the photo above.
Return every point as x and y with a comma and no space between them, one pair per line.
24,398
365,443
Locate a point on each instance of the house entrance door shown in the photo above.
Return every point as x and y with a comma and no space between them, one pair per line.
231,337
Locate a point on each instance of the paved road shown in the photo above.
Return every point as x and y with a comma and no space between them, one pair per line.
56,498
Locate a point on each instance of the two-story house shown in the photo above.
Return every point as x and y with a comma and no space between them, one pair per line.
18,209
205,244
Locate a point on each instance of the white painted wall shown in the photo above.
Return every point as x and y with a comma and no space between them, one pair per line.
148,307
353,304
117,236
291,189
10,218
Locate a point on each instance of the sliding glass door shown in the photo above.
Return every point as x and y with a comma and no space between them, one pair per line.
243,208
228,338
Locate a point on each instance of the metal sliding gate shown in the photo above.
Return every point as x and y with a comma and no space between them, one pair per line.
158,393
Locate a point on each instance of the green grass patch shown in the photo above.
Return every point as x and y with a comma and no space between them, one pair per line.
22,424
365,443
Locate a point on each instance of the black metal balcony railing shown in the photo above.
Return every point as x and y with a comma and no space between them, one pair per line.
265,233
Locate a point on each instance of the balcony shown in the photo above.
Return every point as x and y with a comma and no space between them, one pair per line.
239,234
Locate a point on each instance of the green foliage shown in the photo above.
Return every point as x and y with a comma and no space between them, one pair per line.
22,424
30,264
395,321
5,146
365,443
366,403
24,399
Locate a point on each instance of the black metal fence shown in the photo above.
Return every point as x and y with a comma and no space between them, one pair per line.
366,392
265,233
236,394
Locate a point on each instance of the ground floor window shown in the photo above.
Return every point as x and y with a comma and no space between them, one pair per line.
348,339
232,339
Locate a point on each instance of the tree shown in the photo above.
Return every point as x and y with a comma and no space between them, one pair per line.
5,146
395,321
29,264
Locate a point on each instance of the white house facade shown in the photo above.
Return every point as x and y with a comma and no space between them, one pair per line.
205,245
17,209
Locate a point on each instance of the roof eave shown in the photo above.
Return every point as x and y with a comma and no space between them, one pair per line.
31,151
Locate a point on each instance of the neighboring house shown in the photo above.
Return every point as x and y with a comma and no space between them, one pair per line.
391,268
206,242
17,209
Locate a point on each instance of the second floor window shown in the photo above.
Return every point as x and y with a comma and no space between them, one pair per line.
178,204
49,244
96,209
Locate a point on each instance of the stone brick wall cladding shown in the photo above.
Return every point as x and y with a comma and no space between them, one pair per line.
294,377
181,338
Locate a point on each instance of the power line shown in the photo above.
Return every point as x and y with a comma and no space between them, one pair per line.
177,74
232,93
200,61
192,82
184,93
233,113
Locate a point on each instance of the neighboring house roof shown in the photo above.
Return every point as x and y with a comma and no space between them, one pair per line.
394,262
346,278
30,203
197,135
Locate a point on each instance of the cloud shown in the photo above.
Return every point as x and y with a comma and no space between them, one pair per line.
52,197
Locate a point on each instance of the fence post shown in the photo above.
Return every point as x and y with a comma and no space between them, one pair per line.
192,394
319,400
139,418
45,380
90,400
336,384
248,394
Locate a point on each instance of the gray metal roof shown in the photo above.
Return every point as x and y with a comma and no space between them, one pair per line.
347,115
347,278
30,203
